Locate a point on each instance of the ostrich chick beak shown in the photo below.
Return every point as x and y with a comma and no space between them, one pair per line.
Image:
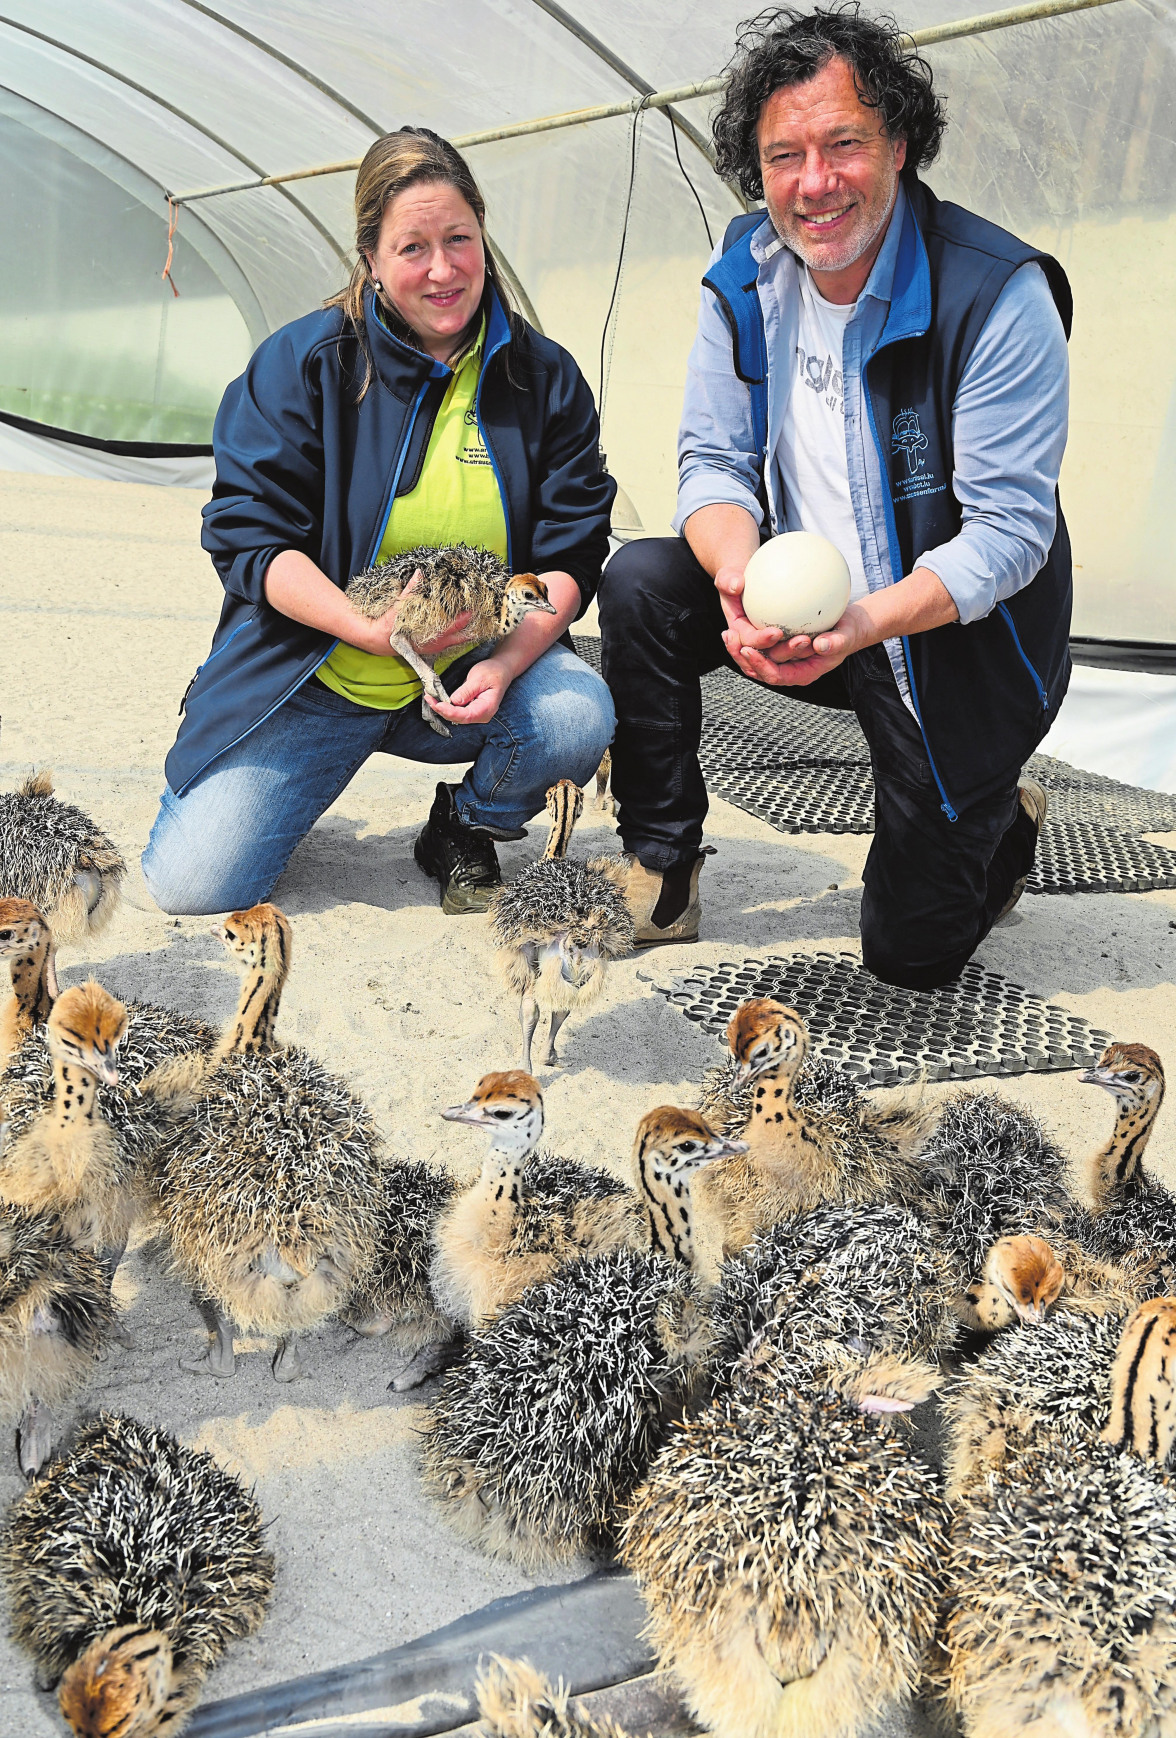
475,1114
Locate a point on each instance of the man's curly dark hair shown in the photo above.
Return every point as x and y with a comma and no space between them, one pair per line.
784,47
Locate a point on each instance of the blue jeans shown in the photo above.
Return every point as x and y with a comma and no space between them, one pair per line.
224,843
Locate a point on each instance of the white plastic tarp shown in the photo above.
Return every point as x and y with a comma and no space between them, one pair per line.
1064,130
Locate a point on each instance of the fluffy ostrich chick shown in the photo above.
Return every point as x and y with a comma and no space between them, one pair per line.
540,1433
68,1161
270,1181
1061,1615
55,856
515,1701
558,924
130,1567
56,1318
799,1154
1133,1213
434,587
789,1547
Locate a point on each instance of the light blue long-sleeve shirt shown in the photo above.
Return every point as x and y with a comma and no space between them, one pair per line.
1009,425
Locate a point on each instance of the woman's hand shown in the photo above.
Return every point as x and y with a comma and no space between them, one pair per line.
479,697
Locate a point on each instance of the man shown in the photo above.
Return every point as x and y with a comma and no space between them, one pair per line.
889,371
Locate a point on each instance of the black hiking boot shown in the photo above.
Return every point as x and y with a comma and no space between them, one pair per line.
461,858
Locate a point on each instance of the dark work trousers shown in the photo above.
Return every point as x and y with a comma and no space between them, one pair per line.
933,887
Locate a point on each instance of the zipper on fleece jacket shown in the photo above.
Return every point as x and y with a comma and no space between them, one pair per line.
945,804
1038,683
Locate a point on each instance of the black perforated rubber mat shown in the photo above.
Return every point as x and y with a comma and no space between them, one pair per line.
979,1025
1083,856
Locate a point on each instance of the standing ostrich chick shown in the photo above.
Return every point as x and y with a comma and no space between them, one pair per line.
557,926
130,1567
270,1181
434,587
54,855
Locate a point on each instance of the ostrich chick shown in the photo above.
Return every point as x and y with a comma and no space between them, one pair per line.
541,1432
1061,1611
516,1702
56,1317
270,1179
54,855
799,1155
130,1567
437,586
67,1161
25,942
1022,1277
517,1224
557,926
1133,1213
789,1547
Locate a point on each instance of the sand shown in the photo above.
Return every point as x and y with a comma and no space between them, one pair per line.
108,605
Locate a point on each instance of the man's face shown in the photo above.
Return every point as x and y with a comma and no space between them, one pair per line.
830,171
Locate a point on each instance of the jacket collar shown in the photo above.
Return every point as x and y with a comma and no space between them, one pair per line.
397,363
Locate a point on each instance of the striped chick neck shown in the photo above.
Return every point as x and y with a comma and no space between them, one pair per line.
565,805
671,1145
1143,1383
260,941
25,942
1134,1076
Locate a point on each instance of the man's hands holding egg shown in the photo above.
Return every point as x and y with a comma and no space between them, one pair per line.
798,575
765,653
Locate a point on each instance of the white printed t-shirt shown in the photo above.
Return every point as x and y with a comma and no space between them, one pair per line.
810,454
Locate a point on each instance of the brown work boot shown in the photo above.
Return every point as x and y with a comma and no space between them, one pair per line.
646,889
1034,802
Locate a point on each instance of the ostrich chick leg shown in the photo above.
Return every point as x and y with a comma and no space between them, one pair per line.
528,1020
438,1355
430,681
218,1359
35,1437
558,1016
287,1365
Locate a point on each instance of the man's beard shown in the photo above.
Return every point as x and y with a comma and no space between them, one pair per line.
815,256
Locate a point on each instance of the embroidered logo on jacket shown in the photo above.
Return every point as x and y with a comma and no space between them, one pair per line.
907,437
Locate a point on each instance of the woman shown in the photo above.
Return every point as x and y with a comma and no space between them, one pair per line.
416,408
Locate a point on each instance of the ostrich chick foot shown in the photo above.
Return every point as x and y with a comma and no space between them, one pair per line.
287,1365
438,1355
217,1359
551,1060
35,1437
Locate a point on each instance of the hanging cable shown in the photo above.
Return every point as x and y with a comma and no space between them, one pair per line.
697,200
638,116
173,219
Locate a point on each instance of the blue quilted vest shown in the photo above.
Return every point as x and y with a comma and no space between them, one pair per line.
985,693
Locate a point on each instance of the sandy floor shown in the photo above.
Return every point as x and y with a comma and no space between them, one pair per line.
108,604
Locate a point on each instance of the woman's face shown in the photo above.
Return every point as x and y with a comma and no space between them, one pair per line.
430,260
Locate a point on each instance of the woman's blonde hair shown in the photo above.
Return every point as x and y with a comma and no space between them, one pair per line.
408,158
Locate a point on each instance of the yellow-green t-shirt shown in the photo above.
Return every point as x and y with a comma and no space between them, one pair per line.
456,500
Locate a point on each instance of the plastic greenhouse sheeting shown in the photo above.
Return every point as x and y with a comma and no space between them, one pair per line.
1063,130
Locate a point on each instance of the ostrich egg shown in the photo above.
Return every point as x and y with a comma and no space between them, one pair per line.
798,582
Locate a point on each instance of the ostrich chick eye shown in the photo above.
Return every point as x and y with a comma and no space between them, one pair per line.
502,1115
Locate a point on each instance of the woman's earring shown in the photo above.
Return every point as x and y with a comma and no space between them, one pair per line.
377,284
